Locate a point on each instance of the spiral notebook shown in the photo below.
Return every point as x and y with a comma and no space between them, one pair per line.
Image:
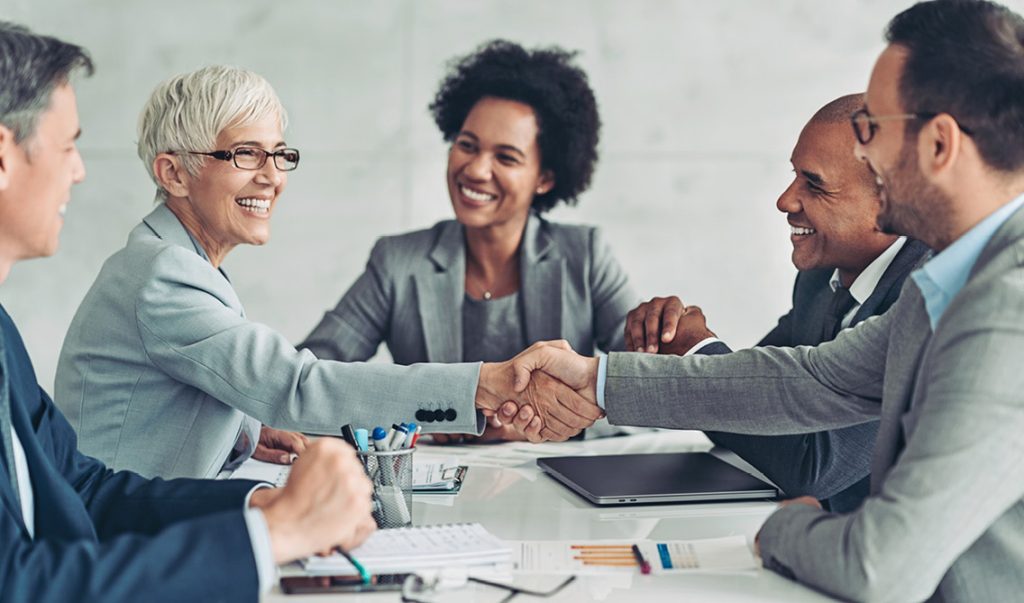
420,547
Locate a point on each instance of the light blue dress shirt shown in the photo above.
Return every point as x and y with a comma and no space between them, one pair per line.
942,277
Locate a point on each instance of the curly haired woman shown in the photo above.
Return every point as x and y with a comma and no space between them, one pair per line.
523,127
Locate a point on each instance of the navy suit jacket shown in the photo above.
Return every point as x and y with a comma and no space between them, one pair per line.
833,466
102,535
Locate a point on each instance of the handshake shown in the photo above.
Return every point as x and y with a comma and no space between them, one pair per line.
549,392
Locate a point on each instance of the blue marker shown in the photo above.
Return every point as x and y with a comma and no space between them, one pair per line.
362,439
413,428
379,439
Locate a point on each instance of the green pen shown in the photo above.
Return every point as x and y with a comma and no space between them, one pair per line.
365,575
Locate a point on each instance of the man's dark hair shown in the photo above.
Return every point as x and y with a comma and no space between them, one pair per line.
547,81
31,67
966,58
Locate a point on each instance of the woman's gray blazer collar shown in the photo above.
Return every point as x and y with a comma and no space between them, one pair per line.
166,225
440,294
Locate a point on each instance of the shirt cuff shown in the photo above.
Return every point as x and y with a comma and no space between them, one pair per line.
602,376
701,344
259,537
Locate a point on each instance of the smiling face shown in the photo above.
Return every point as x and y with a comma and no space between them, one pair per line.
223,205
38,174
831,204
494,165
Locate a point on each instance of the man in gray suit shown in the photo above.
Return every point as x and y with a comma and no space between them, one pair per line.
849,271
943,131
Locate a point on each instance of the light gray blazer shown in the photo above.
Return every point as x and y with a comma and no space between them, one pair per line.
160,365
945,518
412,292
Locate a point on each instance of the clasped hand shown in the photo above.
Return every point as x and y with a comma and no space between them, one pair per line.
547,392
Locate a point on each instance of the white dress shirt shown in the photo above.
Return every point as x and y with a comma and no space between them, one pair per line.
864,285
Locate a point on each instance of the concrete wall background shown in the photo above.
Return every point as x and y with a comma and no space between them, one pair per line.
701,101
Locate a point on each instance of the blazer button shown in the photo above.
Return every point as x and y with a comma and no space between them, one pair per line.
439,415
421,415
450,414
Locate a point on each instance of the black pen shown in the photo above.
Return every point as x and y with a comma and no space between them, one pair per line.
349,435
645,568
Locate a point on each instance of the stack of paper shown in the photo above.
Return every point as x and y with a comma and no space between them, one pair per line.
411,549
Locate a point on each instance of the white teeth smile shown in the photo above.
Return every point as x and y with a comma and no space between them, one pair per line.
477,196
800,231
63,209
259,207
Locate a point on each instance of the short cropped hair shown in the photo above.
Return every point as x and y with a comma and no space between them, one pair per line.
189,111
966,58
31,67
557,91
840,109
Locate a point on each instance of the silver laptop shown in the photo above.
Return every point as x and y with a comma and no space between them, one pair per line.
624,479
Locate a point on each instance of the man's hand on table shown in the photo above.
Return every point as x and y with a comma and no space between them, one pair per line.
325,504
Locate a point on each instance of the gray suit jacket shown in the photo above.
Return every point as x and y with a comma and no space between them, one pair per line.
946,516
412,292
160,365
832,465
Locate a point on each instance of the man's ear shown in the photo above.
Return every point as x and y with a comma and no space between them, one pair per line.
7,148
940,144
171,175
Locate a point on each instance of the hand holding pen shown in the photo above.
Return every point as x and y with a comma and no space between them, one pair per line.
326,503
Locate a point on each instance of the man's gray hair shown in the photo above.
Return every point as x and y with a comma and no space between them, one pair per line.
189,111
31,67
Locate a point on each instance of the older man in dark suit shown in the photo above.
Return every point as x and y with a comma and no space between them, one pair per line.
849,271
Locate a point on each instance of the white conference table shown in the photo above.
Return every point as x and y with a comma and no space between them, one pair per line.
506,492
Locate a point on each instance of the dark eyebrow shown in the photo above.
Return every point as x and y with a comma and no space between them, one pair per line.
814,178
501,147
77,135
511,148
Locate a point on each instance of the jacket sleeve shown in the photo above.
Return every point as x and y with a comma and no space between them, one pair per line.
767,391
612,297
203,559
192,334
960,474
157,541
354,329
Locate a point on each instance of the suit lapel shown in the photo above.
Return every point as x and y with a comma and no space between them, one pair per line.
542,274
167,227
439,296
7,469
888,287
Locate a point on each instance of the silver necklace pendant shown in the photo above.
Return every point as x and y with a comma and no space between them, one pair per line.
487,295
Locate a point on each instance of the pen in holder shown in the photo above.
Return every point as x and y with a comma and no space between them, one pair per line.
391,474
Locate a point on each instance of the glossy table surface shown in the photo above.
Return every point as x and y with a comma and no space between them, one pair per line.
513,499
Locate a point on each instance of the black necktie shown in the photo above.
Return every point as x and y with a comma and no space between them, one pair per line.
5,422
840,304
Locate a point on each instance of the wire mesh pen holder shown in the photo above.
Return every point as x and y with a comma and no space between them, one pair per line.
391,474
